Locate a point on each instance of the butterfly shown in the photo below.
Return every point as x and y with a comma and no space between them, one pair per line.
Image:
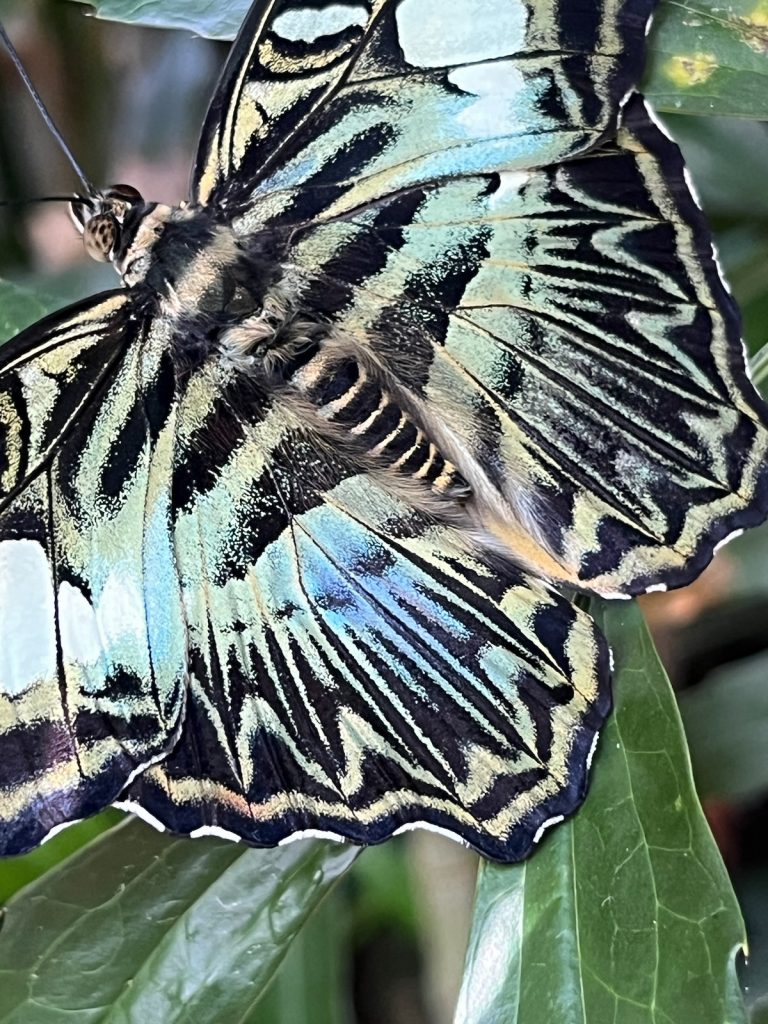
284,520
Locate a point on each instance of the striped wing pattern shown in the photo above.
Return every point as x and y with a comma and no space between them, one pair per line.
242,630
571,325
385,94
92,647
353,670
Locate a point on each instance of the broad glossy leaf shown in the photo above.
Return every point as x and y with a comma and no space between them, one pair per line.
309,987
16,872
219,20
626,913
20,307
163,929
706,57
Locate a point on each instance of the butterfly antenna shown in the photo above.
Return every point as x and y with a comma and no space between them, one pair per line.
44,111
77,200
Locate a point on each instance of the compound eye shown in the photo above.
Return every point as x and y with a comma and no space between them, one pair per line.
125,192
99,236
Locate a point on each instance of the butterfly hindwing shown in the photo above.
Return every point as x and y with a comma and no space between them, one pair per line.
571,326
92,647
353,668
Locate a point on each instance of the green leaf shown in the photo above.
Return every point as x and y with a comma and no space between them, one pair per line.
309,987
759,366
163,929
626,913
219,20
20,307
16,872
706,57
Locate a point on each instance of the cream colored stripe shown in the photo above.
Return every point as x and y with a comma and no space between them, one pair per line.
391,436
427,465
406,455
362,427
343,400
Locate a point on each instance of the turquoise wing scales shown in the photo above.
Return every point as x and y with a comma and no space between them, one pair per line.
92,657
246,627
571,325
318,106
353,669
563,311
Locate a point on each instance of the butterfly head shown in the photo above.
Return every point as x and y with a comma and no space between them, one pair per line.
101,218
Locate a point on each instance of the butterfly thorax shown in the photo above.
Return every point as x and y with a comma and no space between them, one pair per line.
228,303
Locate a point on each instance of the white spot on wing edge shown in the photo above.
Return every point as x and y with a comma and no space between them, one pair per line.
198,833
656,588
595,741
61,827
547,824
654,117
138,810
697,199
214,830
412,826
312,833
306,24
727,540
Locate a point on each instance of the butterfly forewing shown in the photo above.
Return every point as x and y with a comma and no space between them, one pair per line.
388,94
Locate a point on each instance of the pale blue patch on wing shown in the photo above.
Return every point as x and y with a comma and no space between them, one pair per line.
310,23
27,616
497,86
433,35
81,639
493,120
165,622
351,552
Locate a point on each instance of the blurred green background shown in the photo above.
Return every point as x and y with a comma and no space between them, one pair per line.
388,944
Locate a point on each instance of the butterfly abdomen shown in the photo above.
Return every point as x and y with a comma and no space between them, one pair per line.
350,393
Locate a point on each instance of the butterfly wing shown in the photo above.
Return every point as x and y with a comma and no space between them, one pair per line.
323,100
92,646
572,328
353,669
549,291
